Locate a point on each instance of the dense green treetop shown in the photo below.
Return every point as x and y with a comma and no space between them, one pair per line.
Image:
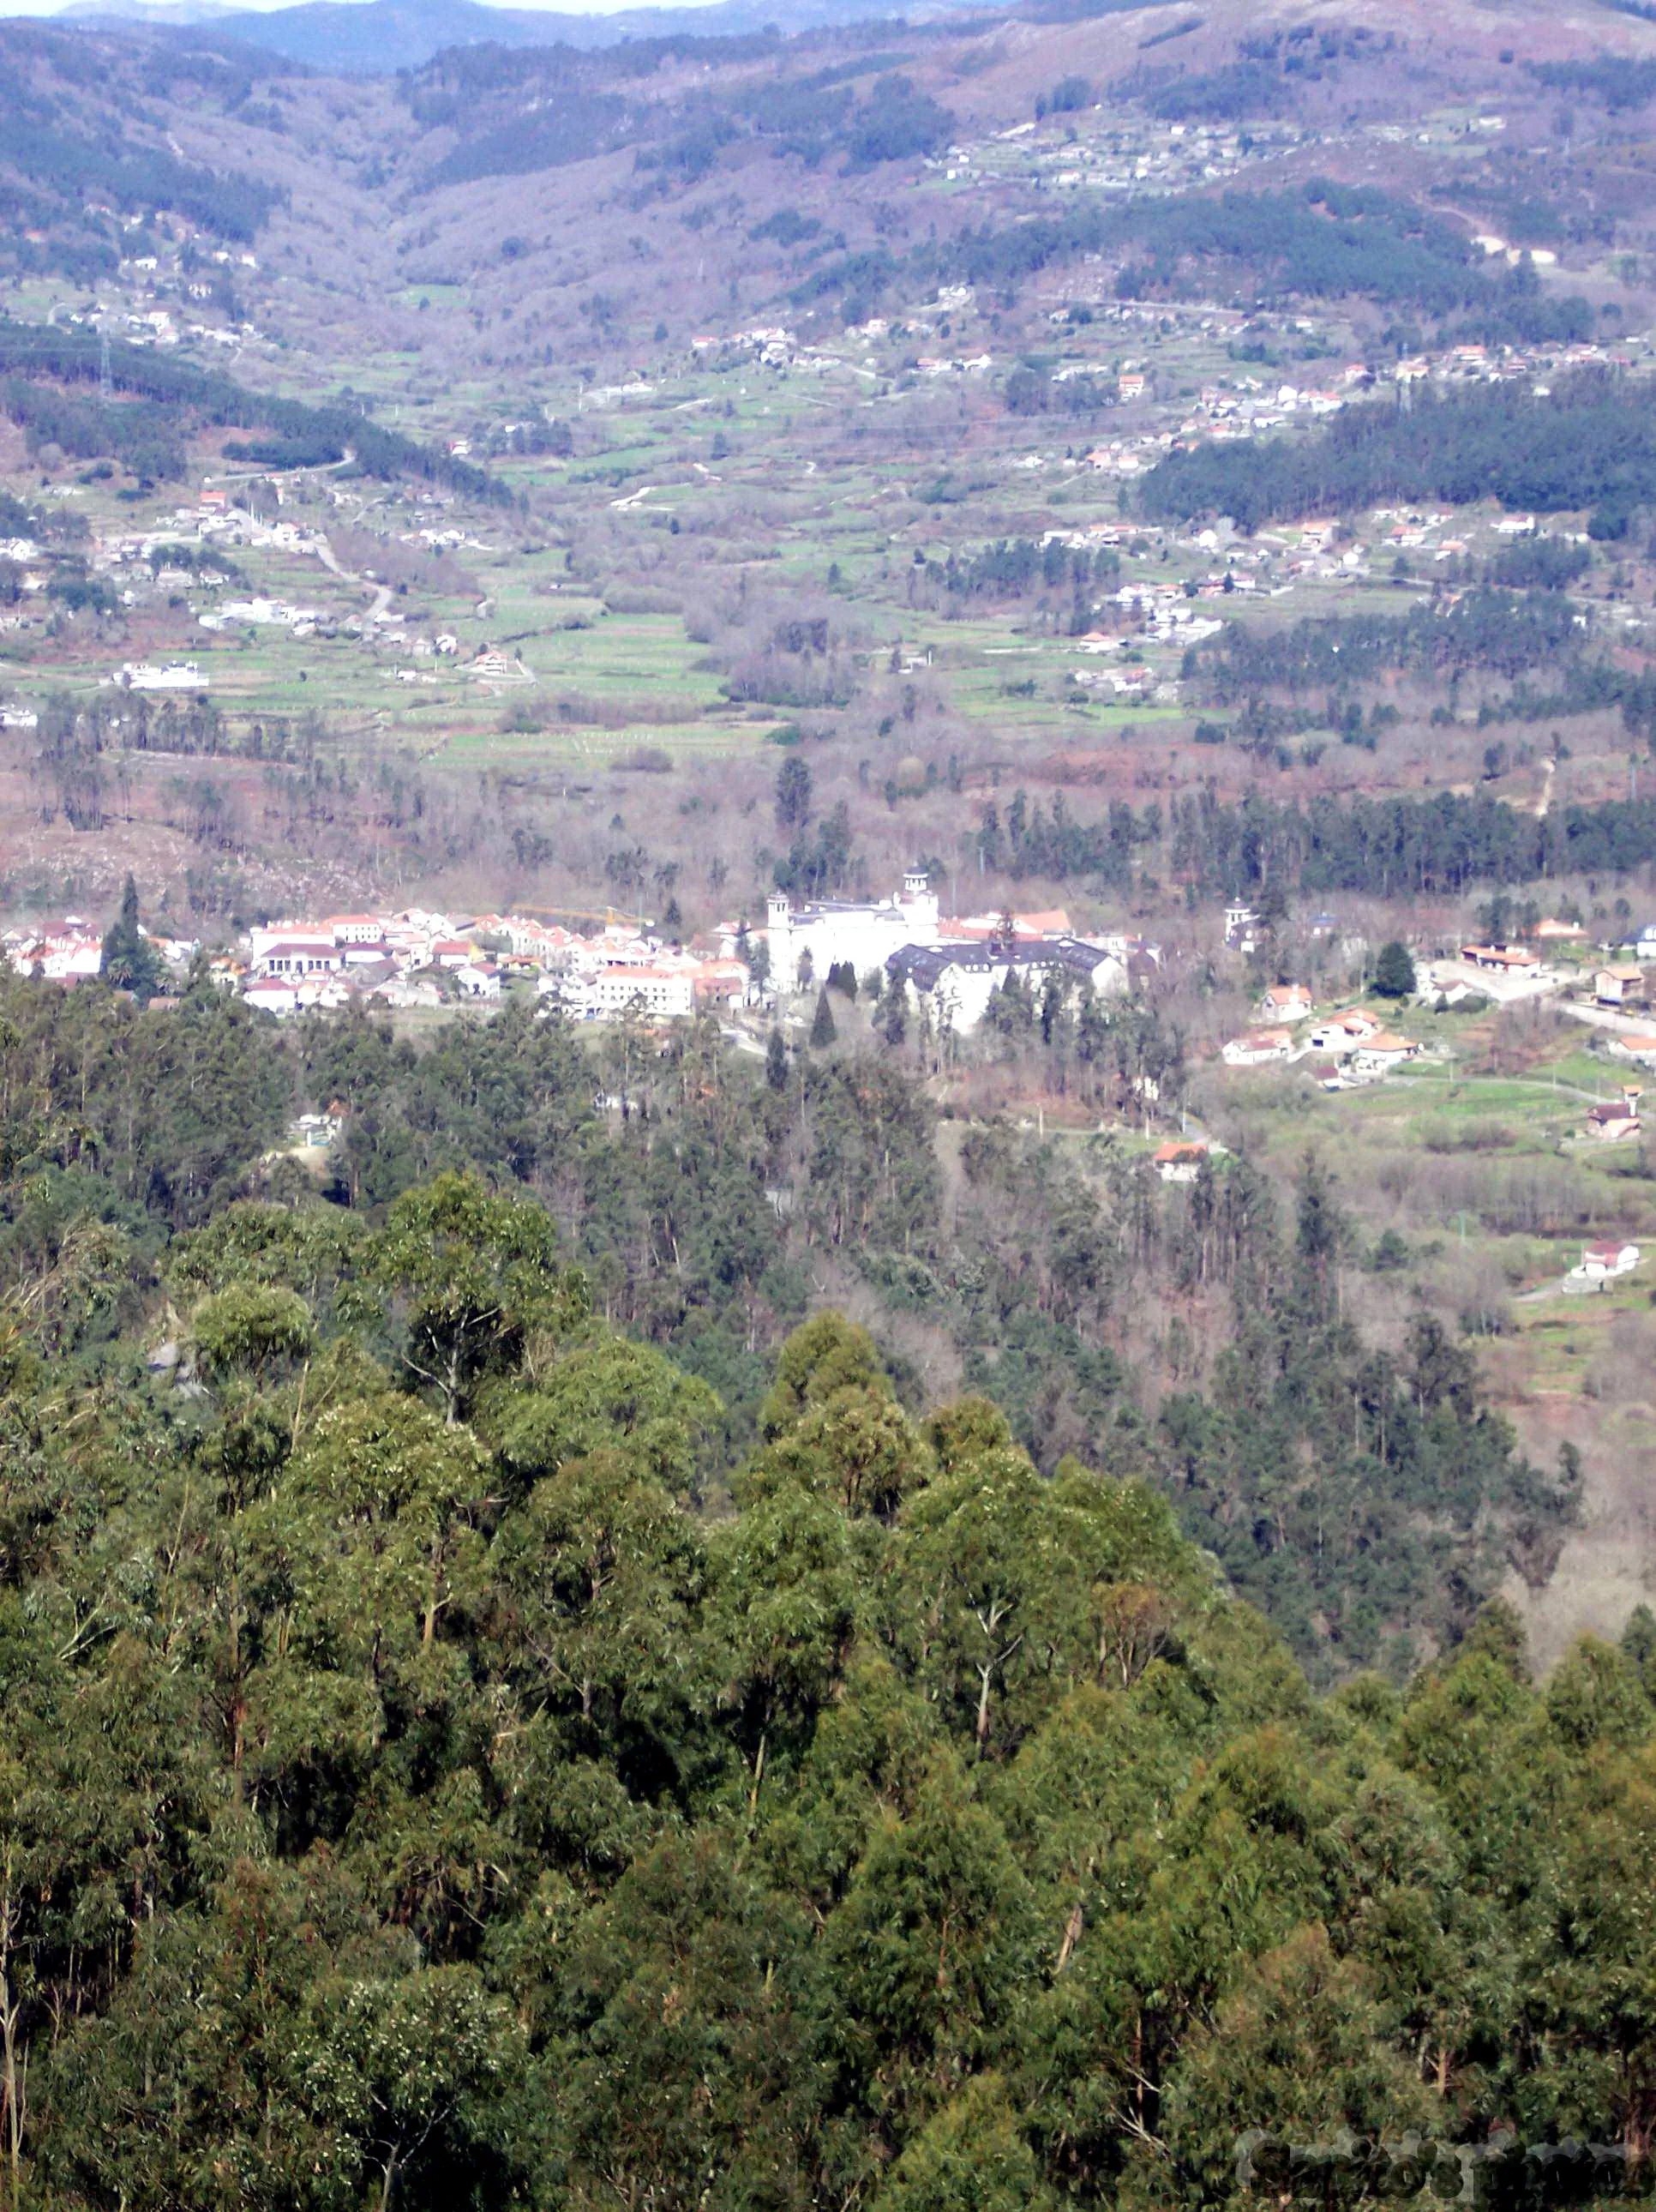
415,1792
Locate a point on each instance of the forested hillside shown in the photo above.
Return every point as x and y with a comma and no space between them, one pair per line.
664,1552
1366,1499
454,1757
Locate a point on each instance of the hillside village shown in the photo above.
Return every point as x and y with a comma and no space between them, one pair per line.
420,958
729,446
951,971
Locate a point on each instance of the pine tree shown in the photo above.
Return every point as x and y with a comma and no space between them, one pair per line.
792,793
1394,971
822,1029
129,961
776,1062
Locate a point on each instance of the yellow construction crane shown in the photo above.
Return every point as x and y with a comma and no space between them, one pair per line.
610,915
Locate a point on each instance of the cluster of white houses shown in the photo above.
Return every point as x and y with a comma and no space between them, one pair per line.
422,958
1349,1048
68,950
416,957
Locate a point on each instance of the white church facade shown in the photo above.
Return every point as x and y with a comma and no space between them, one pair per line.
822,936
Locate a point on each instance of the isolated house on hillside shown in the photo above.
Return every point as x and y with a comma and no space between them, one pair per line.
1619,1118
1179,1162
1241,926
1603,1262
498,668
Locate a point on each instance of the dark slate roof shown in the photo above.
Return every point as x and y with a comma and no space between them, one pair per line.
922,964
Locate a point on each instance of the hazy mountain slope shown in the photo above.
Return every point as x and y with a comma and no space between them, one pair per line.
371,37
537,203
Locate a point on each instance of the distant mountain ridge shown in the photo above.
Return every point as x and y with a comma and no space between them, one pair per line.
367,38
163,14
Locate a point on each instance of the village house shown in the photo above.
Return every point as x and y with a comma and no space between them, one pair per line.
1621,985
1343,1033
1179,1162
1604,1262
498,668
1617,1118
1258,1049
1286,1002
1381,1053
174,675
718,982
72,960
1510,960
352,928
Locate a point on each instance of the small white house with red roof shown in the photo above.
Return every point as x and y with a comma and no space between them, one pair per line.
1258,1049
1603,1262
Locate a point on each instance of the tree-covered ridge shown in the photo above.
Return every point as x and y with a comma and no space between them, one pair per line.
1503,632
1382,847
433,1774
1368,1505
63,167
73,157
164,399
1325,240
1589,443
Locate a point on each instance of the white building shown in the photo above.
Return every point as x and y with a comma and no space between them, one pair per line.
1180,1162
956,982
352,928
289,957
1381,1053
834,931
1602,1263
73,960
1258,1049
666,993
176,675
1241,926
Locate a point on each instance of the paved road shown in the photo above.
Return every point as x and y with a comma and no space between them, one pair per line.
1605,1017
